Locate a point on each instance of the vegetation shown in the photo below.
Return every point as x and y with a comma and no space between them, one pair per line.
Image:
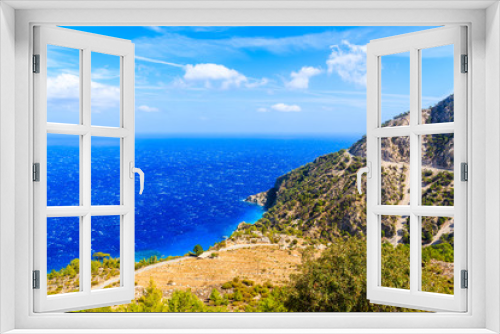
153,301
336,282
106,267
316,209
198,250
100,256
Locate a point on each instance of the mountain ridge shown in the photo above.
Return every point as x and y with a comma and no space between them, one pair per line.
319,201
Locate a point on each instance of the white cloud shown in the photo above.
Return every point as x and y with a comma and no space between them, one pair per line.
286,107
300,79
64,86
262,110
257,83
209,72
104,96
148,108
214,72
349,62
67,86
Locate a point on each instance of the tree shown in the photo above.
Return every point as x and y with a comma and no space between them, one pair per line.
151,301
198,250
336,281
273,302
185,301
216,297
99,256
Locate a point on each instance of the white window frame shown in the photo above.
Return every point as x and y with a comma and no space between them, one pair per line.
413,43
86,44
483,49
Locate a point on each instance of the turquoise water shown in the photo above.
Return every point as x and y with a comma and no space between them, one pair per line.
193,194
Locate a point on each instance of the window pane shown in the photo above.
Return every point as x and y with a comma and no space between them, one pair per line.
63,253
395,169
105,90
437,170
437,84
105,171
63,170
63,85
105,249
437,254
395,90
395,252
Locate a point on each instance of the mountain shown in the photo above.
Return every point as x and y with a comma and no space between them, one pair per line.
319,201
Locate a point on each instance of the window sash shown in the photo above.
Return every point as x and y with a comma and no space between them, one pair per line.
414,298
86,297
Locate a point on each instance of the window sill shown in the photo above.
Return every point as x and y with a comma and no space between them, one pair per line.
250,331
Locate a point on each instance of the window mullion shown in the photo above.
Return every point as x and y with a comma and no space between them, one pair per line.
414,171
85,161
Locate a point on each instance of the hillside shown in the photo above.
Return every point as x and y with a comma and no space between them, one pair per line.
319,200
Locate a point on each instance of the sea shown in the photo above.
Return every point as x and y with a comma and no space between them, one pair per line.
194,188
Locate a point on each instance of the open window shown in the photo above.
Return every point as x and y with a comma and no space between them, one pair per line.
433,209
86,72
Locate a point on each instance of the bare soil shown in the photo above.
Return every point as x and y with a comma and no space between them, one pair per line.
201,275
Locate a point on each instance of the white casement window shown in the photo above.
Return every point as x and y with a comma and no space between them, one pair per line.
417,131
78,211
25,210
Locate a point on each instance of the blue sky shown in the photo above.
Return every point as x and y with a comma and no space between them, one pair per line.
246,80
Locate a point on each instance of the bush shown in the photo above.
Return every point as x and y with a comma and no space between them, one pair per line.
198,250
237,295
248,282
227,285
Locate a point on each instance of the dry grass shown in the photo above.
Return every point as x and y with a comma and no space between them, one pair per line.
259,264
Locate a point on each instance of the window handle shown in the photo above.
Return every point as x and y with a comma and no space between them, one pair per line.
134,170
368,171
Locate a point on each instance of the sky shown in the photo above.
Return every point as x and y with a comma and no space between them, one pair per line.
245,80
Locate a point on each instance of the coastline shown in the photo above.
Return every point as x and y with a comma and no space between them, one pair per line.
249,217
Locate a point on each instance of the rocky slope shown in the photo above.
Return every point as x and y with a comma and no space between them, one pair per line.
319,201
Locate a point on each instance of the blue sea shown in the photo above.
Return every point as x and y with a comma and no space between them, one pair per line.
193,194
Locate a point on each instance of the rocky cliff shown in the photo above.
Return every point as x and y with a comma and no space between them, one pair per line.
319,200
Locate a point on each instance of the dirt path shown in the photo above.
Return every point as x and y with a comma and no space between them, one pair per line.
447,227
401,222
233,247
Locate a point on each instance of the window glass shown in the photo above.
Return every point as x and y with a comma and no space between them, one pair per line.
395,90
63,85
395,169
63,254
105,171
395,252
438,254
437,84
105,265
105,90
437,170
63,170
